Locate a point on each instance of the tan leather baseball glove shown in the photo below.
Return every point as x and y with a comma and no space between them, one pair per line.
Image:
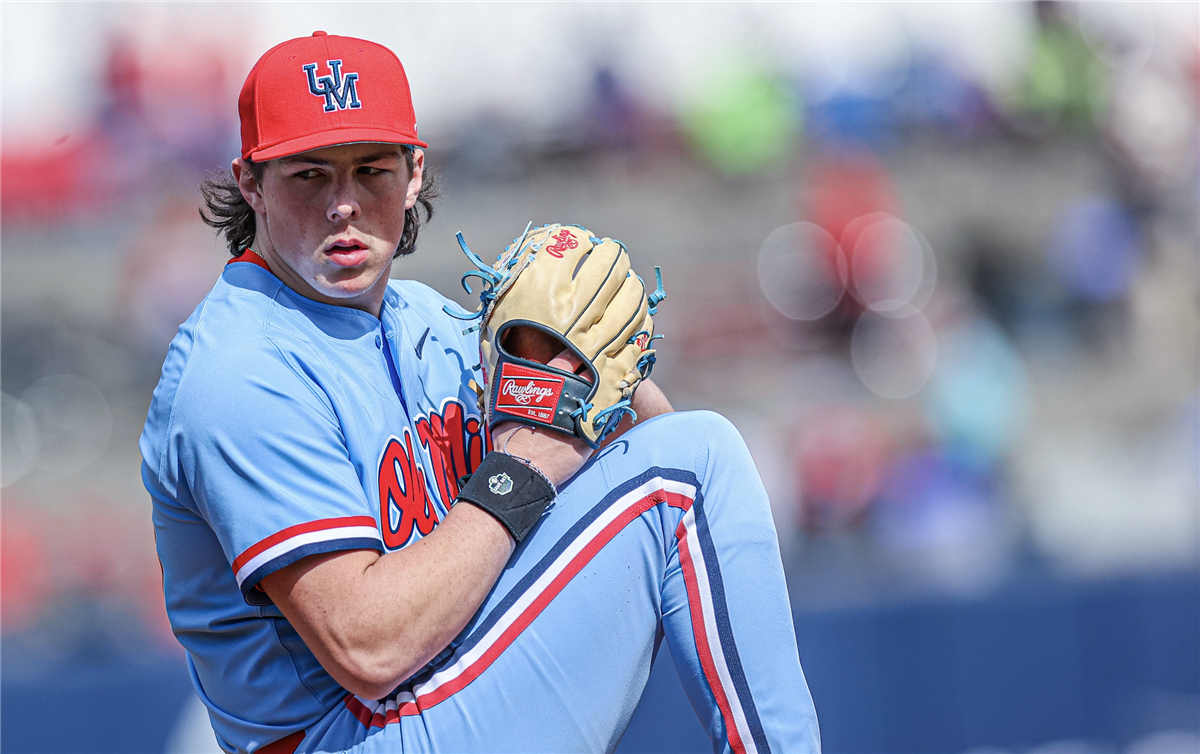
565,282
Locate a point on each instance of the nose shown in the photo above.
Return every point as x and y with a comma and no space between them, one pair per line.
343,204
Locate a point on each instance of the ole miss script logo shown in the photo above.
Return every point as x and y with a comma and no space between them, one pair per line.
456,444
528,393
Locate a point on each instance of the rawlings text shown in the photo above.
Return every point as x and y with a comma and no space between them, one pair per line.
565,240
528,393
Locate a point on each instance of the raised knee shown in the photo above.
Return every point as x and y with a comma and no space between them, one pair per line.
696,429
701,423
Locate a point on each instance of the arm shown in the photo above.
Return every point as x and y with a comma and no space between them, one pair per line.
374,619
648,402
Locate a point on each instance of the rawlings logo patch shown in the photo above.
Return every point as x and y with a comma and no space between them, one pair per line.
528,393
566,242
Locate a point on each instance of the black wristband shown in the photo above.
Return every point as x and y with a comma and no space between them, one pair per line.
516,494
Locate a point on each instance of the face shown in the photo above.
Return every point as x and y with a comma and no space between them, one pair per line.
330,220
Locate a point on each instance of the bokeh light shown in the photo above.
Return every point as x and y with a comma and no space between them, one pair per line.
893,265
802,271
1119,33
20,439
73,419
893,355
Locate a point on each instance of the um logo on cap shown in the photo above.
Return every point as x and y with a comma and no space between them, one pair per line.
340,92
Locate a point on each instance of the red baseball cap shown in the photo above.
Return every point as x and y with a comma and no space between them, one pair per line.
323,90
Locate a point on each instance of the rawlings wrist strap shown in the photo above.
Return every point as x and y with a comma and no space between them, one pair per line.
513,492
537,395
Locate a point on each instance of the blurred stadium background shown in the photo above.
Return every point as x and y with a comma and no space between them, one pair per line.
939,262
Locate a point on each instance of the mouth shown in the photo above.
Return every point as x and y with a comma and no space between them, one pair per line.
347,252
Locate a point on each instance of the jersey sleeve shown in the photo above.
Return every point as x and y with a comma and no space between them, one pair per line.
257,448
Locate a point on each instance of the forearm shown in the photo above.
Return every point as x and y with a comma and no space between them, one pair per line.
372,620
649,401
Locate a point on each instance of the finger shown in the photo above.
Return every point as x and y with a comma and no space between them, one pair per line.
609,264
568,361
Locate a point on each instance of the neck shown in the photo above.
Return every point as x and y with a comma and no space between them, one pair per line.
369,301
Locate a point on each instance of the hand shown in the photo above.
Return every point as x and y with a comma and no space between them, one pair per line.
648,402
557,455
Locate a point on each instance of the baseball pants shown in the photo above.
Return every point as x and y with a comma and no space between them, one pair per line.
666,533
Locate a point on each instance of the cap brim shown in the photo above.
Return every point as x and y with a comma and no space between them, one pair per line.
334,138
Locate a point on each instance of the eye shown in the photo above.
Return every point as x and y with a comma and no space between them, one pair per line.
370,170
305,175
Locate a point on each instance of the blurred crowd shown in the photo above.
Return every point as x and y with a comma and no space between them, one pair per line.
954,314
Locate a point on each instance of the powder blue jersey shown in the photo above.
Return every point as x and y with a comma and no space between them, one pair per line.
283,427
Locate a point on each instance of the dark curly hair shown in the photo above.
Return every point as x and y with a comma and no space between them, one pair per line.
226,210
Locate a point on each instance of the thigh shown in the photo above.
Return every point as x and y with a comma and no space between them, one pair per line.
667,530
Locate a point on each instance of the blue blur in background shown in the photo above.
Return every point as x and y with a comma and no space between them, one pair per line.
1041,659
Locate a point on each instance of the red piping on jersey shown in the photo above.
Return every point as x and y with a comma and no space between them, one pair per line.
423,702
700,634
251,256
285,745
291,531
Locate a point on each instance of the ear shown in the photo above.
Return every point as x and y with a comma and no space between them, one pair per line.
250,188
415,180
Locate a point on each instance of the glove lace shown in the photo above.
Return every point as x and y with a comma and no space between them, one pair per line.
608,419
584,407
646,363
659,294
633,338
489,277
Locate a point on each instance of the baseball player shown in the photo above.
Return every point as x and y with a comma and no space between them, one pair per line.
336,583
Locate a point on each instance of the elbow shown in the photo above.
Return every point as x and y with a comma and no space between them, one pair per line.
367,685
352,632
373,674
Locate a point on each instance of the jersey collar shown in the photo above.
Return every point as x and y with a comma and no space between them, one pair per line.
391,298
249,255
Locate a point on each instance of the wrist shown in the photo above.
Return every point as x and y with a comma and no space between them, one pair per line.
513,491
527,461
557,456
